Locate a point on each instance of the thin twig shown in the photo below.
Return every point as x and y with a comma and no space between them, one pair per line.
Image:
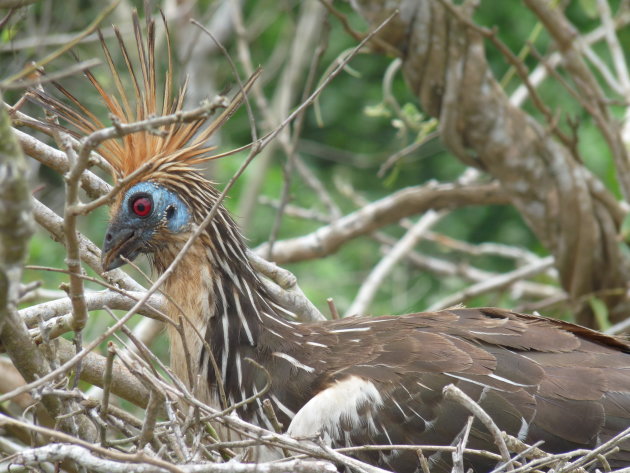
373,282
55,76
275,423
458,454
453,393
155,399
495,283
107,384
334,313
66,47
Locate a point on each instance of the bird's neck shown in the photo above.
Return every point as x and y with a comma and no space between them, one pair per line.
225,315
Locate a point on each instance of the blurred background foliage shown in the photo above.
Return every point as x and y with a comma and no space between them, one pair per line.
357,133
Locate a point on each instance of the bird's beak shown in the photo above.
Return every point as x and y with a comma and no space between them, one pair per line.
120,242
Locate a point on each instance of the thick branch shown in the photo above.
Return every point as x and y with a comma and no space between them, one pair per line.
123,382
391,209
93,185
16,219
95,300
593,99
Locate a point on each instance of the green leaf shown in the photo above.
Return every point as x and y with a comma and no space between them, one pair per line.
392,177
7,34
377,111
589,7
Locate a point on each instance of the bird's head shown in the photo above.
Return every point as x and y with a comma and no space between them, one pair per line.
147,215
164,190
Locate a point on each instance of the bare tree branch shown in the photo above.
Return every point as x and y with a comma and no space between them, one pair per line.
95,300
60,452
494,283
394,207
453,393
379,272
123,384
16,219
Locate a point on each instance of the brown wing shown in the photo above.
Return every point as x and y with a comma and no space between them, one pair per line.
539,379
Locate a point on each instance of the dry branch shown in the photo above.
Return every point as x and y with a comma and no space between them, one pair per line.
95,300
494,283
404,203
453,393
123,383
381,270
61,452
16,219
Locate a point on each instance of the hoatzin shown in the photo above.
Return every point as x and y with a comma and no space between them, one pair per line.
355,381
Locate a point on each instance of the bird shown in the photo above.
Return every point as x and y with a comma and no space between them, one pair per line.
354,381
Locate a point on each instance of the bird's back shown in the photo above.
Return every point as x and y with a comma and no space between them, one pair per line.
364,381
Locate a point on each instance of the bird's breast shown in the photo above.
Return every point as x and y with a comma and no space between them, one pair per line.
189,292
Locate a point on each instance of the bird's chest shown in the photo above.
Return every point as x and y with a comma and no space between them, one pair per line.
188,290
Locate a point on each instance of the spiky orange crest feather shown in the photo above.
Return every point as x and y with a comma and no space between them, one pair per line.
172,148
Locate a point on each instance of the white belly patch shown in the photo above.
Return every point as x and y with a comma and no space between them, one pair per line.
346,405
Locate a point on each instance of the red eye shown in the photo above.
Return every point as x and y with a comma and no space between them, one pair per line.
142,206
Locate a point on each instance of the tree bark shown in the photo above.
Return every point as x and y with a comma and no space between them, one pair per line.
16,219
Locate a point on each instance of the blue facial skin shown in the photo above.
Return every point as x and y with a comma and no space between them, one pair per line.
129,234
177,217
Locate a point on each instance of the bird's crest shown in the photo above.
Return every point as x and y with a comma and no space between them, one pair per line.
167,149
